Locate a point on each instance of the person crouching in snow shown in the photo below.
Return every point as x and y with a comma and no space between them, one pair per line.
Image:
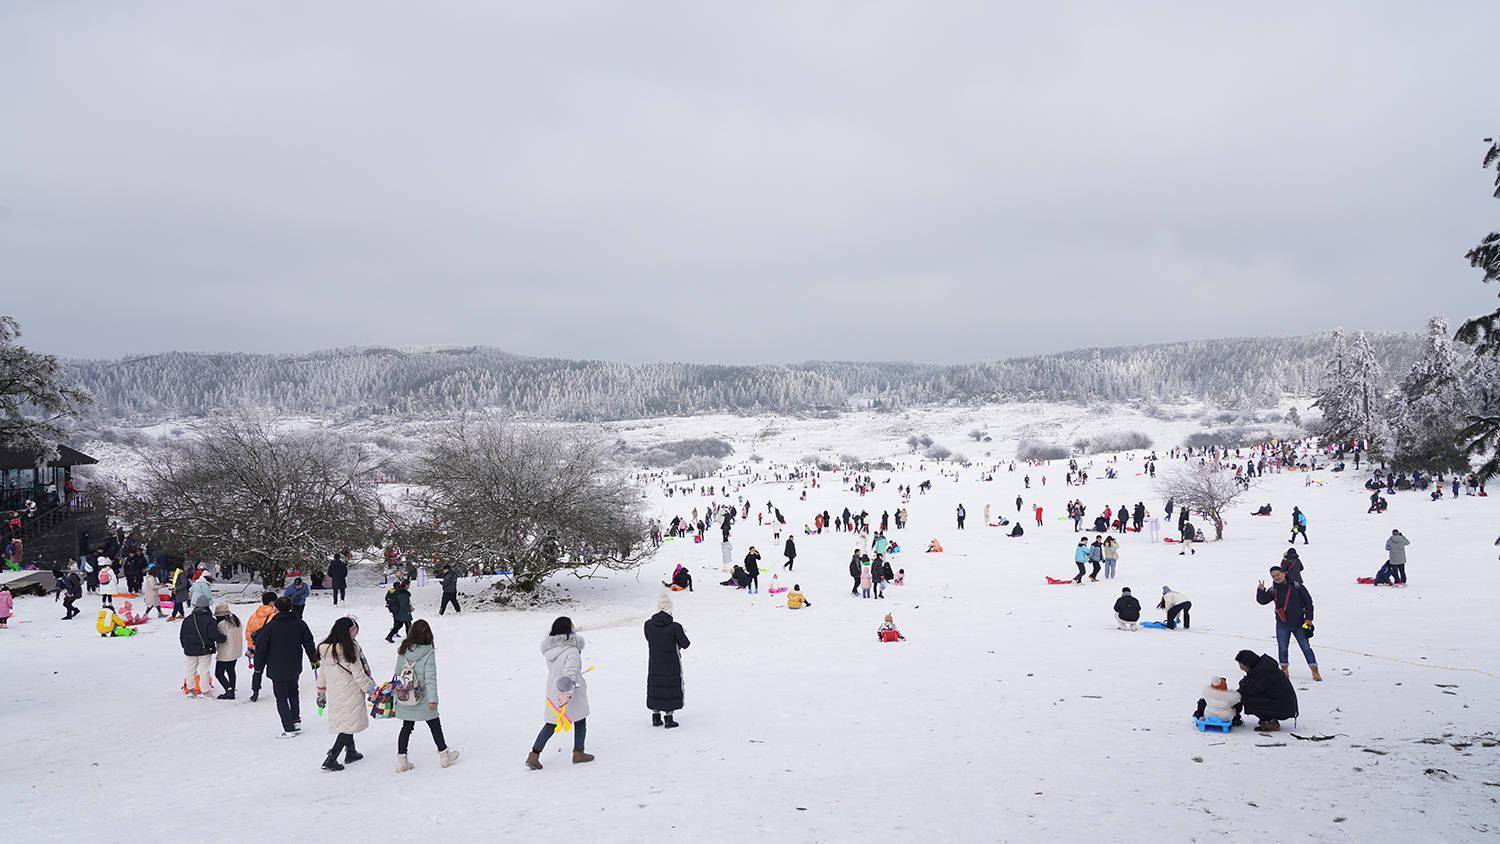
1127,610
795,599
1175,603
1219,702
681,579
887,631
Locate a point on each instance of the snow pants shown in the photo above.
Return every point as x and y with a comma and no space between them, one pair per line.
1180,609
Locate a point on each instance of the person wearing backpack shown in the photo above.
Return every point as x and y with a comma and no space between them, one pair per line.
343,687
398,603
416,693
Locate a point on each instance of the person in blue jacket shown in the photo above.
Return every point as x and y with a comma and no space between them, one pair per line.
297,593
1081,557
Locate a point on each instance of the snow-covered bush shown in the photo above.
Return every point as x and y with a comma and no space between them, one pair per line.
1036,450
937,452
698,467
1114,441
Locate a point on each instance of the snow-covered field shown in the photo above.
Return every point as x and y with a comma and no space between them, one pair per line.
1015,711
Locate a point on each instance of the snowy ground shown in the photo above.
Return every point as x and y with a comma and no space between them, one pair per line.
1015,710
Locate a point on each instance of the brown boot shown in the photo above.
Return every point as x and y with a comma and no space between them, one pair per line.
1267,727
534,761
1316,675
1286,669
579,757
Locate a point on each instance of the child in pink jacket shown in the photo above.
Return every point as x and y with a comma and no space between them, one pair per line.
6,602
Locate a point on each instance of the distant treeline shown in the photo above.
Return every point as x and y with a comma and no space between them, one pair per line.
365,381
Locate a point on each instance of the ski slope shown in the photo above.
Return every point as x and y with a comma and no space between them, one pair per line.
1015,711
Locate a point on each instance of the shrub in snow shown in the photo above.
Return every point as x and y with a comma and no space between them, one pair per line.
698,467
1035,450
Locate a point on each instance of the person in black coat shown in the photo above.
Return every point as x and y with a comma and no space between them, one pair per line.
1127,610
752,568
279,645
338,575
450,590
855,571
1265,691
666,639
791,554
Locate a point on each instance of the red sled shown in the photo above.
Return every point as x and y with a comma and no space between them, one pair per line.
1169,539
891,636
1055,582
1368,581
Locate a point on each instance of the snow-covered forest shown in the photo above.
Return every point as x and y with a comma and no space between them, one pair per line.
359,382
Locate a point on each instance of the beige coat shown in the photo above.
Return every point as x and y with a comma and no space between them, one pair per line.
233,646
345,685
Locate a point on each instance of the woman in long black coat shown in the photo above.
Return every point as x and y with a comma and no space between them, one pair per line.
665,638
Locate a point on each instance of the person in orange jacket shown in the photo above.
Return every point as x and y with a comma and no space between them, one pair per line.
258,619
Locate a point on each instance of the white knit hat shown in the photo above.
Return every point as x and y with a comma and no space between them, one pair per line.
664,603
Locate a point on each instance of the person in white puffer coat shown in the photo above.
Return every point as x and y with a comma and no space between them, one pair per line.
1219,701
344,685
566,691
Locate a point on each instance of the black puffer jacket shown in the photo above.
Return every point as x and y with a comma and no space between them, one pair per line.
1266,691
338,571
665,638
279,645
200,634
1128,608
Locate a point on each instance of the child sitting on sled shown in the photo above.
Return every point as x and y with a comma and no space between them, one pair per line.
1219,701
887,631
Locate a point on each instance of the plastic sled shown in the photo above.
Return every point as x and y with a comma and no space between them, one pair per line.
1368,581
1155,625
1055,582
1170,539
1206,724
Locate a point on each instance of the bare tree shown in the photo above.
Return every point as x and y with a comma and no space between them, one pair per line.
531,502
1205,488
976,435
240,492
34,402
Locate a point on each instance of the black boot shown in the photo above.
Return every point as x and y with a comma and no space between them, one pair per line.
669,723
656,719
254,695
331,763
351,756
229,695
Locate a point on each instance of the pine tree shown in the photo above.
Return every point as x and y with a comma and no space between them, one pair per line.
1428,407
1481,434
1335,397
1365,375
34,402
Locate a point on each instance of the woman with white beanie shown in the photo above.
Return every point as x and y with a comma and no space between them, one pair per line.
666,639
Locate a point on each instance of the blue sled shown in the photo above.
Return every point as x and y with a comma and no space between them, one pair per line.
1206,724
1155,625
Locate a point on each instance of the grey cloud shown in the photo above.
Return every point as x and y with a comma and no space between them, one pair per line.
766,182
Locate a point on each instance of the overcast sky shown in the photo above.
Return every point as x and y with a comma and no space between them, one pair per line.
738,182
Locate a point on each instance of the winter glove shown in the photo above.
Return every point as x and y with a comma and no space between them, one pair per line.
315,665
322,700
